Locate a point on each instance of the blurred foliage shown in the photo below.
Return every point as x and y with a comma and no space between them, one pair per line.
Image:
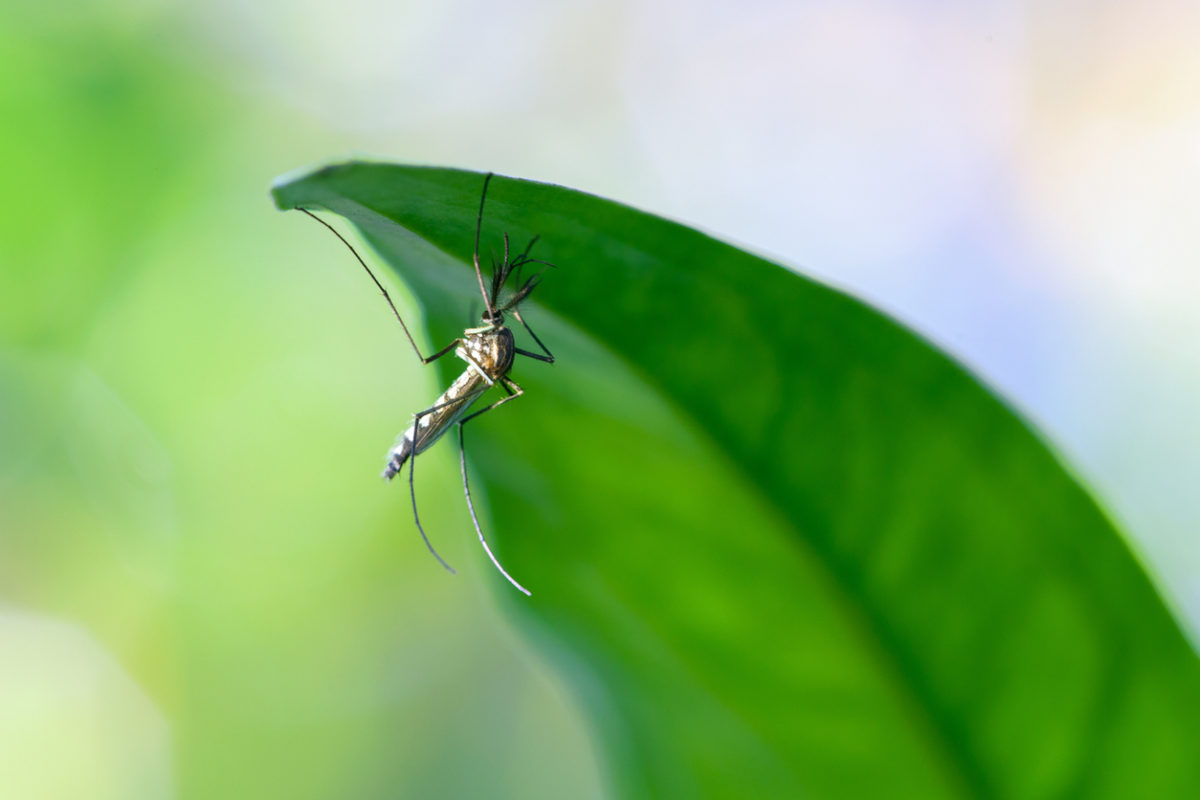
780,545
205,590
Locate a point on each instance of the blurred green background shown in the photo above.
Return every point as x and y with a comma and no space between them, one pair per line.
206,591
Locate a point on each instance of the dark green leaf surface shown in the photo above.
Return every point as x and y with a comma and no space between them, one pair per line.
779,545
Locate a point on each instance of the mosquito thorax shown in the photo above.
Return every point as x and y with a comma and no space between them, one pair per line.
491,347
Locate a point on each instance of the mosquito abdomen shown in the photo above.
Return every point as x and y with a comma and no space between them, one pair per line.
397,456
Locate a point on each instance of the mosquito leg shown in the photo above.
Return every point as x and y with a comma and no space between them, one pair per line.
509,386
548,357
487,300
412,491
386,296
441,352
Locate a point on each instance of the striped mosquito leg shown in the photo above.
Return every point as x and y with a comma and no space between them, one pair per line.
514,391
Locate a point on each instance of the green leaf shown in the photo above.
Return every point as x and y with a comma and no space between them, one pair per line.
780,545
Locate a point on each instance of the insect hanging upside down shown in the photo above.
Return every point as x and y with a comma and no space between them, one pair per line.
488,350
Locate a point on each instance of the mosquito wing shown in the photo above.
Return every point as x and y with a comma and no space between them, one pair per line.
434,421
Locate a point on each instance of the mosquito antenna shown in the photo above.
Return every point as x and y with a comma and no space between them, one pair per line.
501,275
520,261
525,253
462,460
379,285
491,307
497,277
528,286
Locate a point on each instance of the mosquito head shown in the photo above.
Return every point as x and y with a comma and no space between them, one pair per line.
508,266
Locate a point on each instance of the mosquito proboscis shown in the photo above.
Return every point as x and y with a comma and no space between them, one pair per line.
489,351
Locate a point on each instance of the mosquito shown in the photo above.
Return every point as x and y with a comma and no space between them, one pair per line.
489,351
